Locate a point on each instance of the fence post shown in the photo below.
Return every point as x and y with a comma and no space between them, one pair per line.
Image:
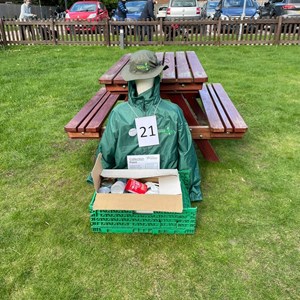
3,34
278,32
53,31
107,33
121,38
161,30
219,32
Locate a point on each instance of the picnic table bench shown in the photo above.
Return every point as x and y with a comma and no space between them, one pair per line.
207,108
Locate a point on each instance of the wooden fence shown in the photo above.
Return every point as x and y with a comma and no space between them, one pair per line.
109,33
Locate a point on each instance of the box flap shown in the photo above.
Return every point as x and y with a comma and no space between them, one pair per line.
169,185
97,169
138,173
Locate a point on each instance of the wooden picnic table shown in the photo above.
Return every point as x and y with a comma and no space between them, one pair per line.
207,107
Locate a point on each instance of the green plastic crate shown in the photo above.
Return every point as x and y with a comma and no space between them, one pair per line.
123,221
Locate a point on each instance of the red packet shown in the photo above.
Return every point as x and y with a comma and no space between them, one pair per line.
136,187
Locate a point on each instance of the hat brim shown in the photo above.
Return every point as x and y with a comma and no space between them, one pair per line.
128,76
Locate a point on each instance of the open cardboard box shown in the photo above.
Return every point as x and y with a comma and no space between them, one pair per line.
169,198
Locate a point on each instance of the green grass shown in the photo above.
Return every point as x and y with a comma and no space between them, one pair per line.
246,244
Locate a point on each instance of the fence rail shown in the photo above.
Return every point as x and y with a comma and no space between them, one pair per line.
276,31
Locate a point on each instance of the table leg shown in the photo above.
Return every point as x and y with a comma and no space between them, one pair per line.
197,109
182,102
207,150
190,110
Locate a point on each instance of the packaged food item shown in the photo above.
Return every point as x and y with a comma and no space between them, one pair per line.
118,187
136,187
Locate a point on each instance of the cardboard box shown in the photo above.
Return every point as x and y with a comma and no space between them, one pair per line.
168,200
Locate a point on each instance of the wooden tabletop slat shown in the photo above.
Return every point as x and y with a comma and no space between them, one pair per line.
118,79
107,77
87,108
236,119
196,67
183,69
160,56
169,75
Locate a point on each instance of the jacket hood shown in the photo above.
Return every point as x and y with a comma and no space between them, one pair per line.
147,100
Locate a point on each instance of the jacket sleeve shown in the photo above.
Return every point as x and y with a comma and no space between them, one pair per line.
188,158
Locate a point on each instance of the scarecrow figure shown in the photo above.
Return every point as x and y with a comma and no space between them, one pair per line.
147,124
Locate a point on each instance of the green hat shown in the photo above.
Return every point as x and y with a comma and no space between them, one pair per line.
143,64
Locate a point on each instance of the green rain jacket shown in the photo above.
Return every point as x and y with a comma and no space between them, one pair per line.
175,147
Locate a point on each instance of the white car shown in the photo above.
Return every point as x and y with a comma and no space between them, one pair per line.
183,9
161,12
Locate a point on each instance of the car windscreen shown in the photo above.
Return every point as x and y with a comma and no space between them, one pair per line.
81,7
183,3
294,1
135,6
214,4
237,3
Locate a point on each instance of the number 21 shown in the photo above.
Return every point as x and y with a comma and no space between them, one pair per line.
145,130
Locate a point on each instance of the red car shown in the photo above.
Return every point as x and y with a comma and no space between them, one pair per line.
86,10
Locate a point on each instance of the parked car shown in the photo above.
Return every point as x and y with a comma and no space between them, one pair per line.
285,8
208,9
234,9
86,10
183,9
180,10
161,12
135,9
230,9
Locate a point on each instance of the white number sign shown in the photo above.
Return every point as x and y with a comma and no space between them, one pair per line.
147,131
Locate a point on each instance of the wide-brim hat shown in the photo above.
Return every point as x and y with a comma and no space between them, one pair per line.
143,64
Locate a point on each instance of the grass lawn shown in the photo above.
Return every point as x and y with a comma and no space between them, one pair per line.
247,242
